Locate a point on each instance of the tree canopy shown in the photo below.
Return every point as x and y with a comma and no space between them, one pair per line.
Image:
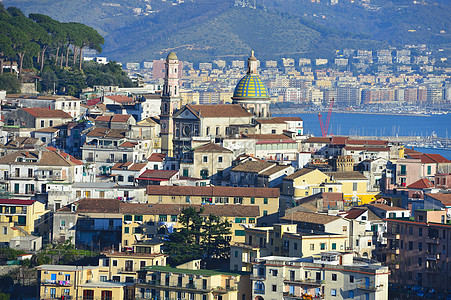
199,237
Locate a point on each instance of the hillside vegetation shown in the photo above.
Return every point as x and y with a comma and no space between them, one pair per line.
203,30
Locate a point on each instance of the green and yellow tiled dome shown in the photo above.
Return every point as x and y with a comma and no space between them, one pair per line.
250,86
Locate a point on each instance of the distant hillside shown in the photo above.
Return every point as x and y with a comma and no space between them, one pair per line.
201,30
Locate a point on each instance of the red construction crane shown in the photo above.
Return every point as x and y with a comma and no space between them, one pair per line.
325,127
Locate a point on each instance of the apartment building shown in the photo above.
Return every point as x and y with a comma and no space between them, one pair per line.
188,281
77,282
282,240
418,250
332,275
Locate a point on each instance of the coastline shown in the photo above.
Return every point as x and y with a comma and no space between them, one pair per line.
289,111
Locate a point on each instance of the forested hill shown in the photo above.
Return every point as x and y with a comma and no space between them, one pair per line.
139,30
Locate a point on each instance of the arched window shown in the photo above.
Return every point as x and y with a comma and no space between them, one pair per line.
259,287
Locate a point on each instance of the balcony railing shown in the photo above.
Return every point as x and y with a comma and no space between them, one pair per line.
57,282
392,250
433,240
432,256
186,286
259,292
257,277
306,281
369,287
392,236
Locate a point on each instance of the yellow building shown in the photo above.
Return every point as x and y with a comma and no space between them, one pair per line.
282,240
354,186
76,282
266,199
143,223
19,218
124,266
188,281
303,183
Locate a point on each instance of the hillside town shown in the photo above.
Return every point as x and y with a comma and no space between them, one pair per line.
127,175
410,80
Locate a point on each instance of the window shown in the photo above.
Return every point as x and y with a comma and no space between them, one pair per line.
219,159
410,245
403,170
126,229
173,218
131,178
420,246
103,278
420,231
334,246
114,263
265,213
240,233
295,246
410,230
420,261
128,218
252,200
323,246
312,246
251,220
274,288
333,292
5,230
106,295
354,186
351,278
42,123
138,218
237,200
334,277
120,178
88,295
163,218
429,170
205,158
265,200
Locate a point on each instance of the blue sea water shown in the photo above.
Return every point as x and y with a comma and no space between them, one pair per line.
382,125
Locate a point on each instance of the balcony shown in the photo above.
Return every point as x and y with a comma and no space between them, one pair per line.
185,286
57,282
306,281
126,270
392,251
433,240
392,236
259,292
432,270
432,256
287,295
257,277
369,287
222,290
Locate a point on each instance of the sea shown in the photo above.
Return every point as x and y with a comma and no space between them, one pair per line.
380,125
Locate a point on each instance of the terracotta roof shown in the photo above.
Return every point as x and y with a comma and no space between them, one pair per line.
299,173
229,210
128,144
445,198
16,202
41,112
121,166
318,140
346,175
339,140
212,147
94,101
94,205
120,99
368,149
47,158
157,157
253,166
157,175
220,111
23,142
385,207
213,191
433,158
367,142
354,213
106,132
103,119
120,118
423,183
270,121
307,217
65,155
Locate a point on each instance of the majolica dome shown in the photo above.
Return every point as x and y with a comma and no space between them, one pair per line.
250,86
